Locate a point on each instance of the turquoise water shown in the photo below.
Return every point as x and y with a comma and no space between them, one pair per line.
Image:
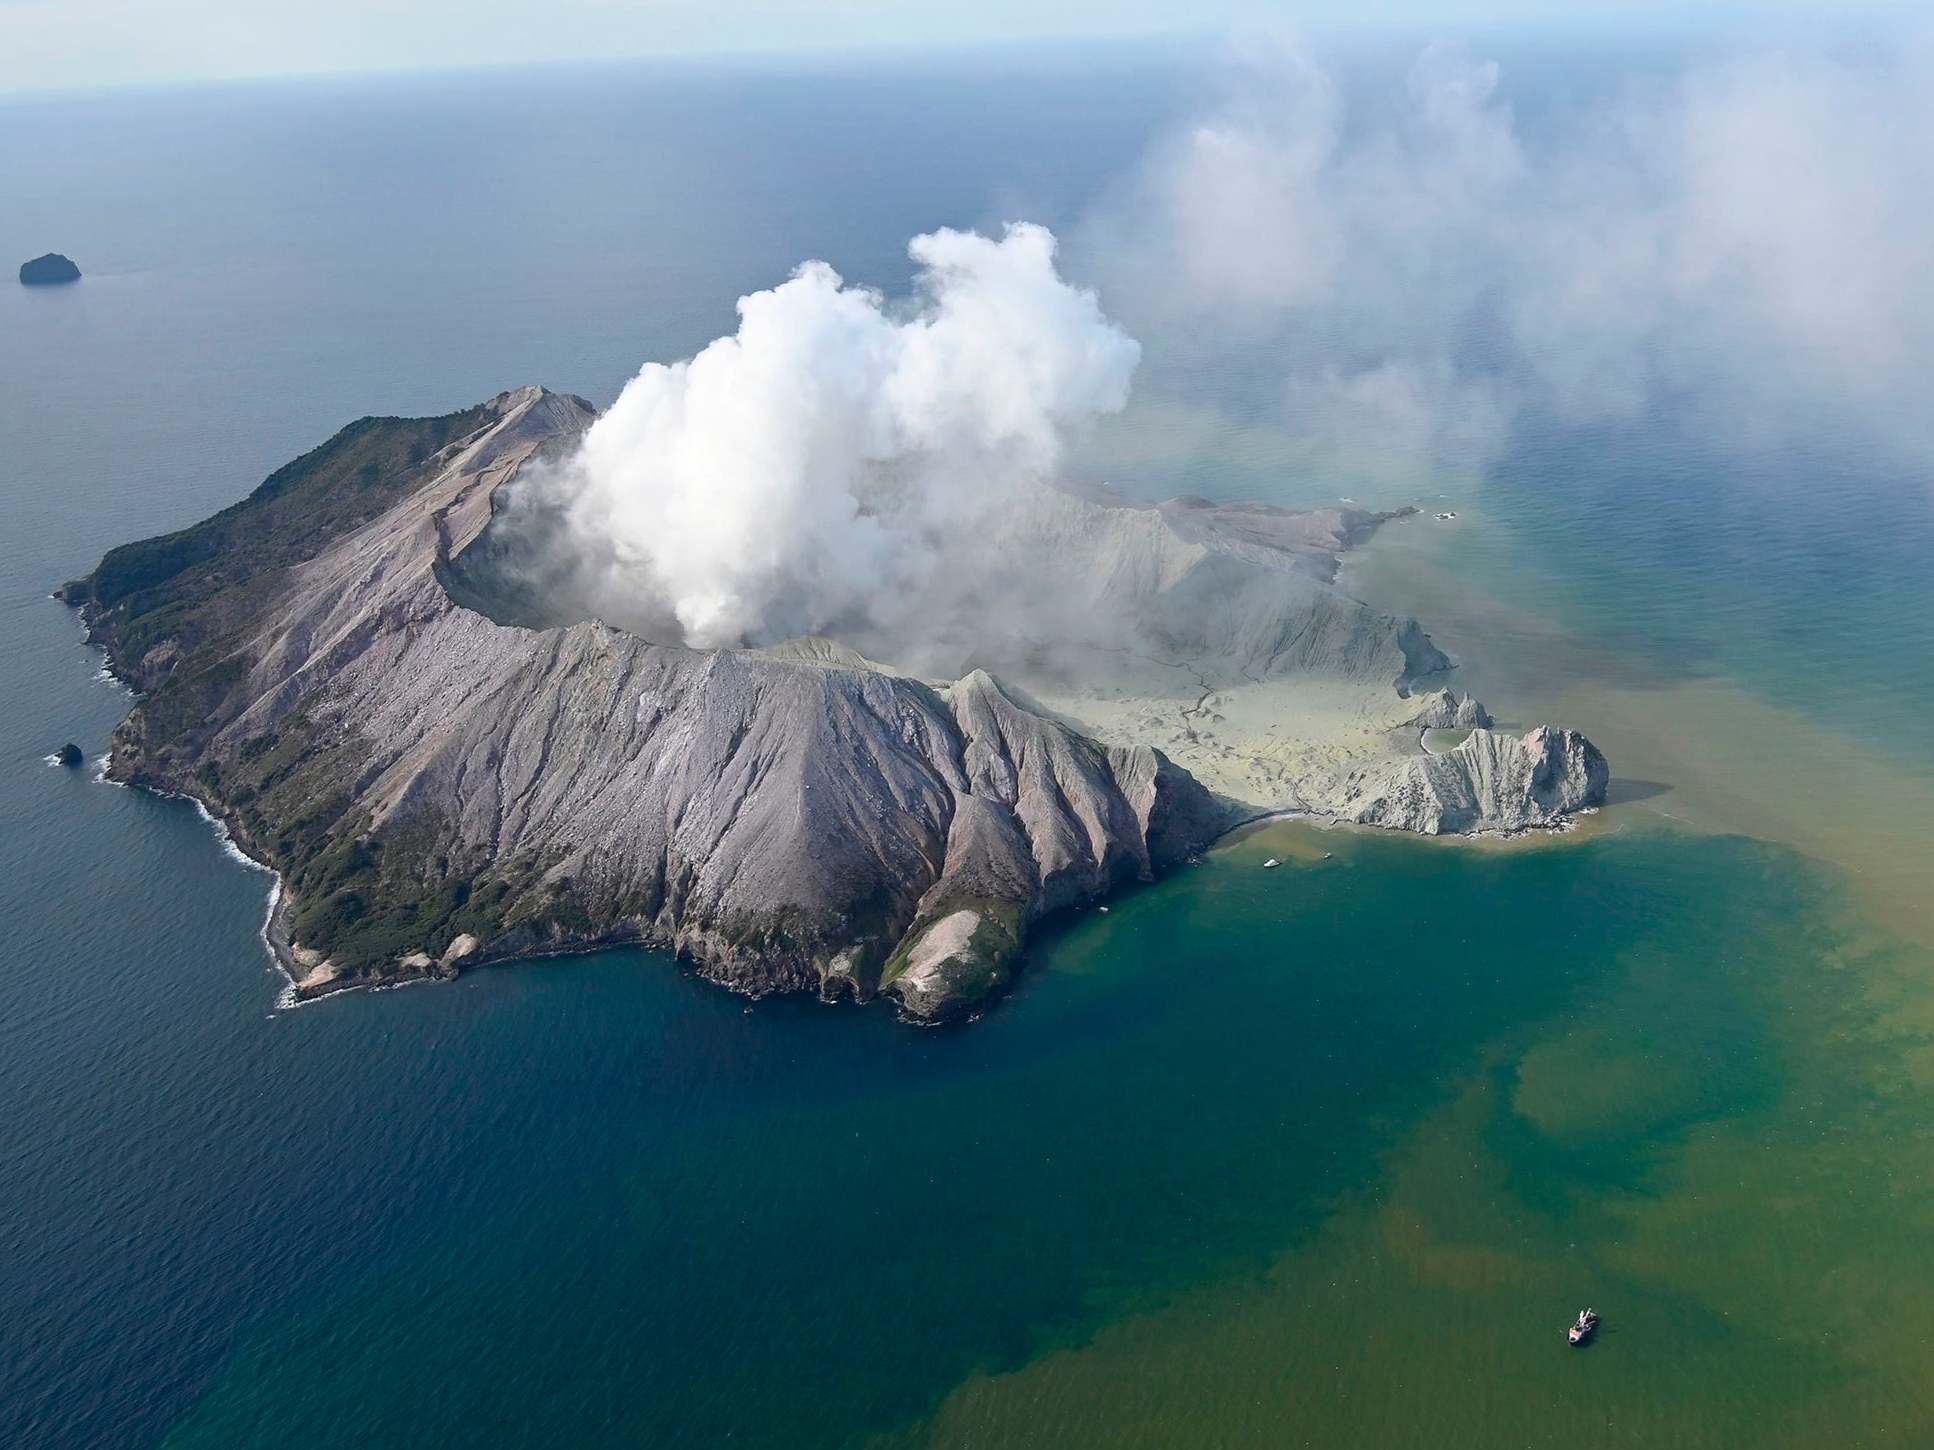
1798,569
1324,1155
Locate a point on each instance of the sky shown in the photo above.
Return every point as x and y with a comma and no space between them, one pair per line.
57,44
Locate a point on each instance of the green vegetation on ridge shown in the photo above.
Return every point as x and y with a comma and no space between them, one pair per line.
172,612
190,588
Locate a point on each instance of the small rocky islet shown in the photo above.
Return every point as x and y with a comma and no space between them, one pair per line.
333,668
49,270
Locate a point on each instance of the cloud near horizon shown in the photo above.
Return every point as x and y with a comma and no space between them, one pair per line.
1402,278
1752,238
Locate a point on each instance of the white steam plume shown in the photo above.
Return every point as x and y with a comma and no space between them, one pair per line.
808,472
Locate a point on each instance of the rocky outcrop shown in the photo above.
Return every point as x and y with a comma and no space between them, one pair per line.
1490,783
48,270
1448,710
69,755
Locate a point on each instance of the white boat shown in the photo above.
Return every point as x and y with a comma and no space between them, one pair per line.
1582,1327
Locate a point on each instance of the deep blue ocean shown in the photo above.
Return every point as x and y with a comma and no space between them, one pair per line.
1322,1156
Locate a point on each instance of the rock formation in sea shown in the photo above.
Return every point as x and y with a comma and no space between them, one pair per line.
47,270
343,669
1448,710
69,755
1490,783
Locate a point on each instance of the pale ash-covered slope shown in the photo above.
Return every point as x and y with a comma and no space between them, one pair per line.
1271,686
438,788
1101,594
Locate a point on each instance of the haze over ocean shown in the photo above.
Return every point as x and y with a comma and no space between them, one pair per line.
1321,1155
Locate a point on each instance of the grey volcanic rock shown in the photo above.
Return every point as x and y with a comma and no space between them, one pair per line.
1448,710
1261,601
48,270
440,788
1219,593
1490,783
1048,819
69,755
1312,540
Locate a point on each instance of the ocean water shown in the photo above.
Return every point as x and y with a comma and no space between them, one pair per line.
1325,1155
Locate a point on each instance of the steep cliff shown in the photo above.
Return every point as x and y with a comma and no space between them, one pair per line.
1490,783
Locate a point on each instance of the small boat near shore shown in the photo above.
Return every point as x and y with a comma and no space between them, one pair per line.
1583,1327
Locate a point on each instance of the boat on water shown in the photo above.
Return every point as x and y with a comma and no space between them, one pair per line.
1582,1328
1271,864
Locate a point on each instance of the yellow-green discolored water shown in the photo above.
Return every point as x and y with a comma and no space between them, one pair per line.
1722,1139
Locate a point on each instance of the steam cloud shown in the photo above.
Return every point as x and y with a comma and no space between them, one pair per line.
1751,239
804,473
